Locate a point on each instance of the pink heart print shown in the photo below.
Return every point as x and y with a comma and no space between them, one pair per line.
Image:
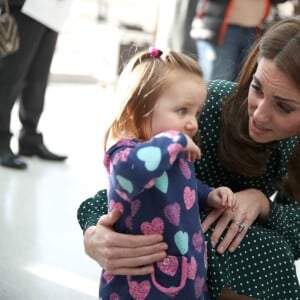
150,184
128,222
113,204
122,155
172,213
185,169
108,277
189,197
192,268
197,241
173,150
169,265
199,283
114,296
139,291
123,195
153,227
135,206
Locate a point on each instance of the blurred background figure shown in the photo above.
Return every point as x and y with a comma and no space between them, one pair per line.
224,30
24,76
102,10
173,26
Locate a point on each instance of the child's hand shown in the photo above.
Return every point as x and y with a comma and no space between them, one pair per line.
222,197
192,151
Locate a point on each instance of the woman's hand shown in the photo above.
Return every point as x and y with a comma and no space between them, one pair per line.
122,254
252,204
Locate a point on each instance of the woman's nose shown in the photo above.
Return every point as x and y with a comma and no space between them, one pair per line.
262,111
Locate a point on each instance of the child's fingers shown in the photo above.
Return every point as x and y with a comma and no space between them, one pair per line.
234,202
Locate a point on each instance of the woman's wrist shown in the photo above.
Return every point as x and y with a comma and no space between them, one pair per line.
264,206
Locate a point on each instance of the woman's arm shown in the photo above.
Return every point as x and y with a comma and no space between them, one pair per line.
284,218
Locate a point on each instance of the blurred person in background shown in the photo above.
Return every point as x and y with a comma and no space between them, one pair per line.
173,26
224,31
24,76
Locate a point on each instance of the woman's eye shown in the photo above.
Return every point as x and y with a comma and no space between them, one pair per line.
284,108
256,88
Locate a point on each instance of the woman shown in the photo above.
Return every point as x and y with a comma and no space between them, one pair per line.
250,136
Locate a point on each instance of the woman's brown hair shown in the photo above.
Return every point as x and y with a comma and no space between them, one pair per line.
281,44
139,86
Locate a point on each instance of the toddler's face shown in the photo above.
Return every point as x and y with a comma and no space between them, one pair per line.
179,106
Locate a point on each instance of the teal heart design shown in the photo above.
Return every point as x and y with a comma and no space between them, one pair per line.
162,183
125,183
182,240
151,156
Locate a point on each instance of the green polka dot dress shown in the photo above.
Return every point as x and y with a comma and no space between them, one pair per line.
263,265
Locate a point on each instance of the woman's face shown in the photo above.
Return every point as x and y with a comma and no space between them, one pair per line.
273,104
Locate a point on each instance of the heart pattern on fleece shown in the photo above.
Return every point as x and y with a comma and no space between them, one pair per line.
173,150
197,240
125,183
113,204
114,296
184,168
169,268
139,290
182,241
128,222
199,282
192,268
108,277
162,183
135,206
189,197
151,156
153,227
172,213
123,195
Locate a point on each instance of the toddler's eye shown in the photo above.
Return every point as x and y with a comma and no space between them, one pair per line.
182,111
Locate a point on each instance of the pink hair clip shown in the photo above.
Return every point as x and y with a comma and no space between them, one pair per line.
154,52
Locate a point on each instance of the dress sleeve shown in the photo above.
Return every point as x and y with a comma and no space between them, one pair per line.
92,209
284,218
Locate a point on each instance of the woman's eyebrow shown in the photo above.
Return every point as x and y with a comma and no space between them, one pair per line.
256,80
287,100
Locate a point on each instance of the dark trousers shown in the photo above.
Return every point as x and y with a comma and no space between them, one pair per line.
24,74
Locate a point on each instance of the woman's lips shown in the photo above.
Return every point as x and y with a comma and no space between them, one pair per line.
257,128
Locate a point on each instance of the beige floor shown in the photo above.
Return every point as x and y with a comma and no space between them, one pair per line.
41,254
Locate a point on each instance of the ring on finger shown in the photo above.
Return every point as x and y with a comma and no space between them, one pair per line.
240,225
